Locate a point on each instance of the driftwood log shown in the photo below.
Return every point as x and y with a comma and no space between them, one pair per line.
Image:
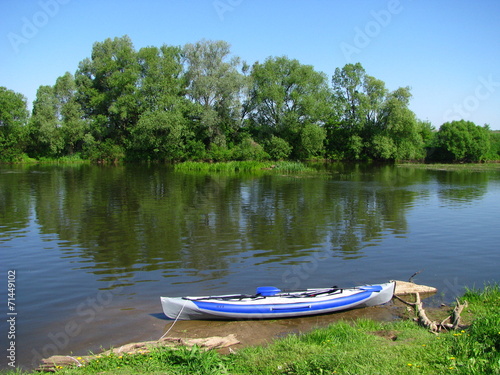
406,288
57,362
452,322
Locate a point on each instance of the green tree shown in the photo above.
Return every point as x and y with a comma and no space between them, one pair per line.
373,122
106,89
278,148
350,86
46,137
290,101
69,114
312,141
494,153
463,141
427,132
248,149
214,85
13,118
160,82
56,127
163,127
160,136
398,134
359,100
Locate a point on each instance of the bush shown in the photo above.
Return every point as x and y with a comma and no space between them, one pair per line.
312,142
104,152
248,149
494,153
219,153
278,148
464,141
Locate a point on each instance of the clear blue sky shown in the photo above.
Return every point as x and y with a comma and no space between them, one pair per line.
447,51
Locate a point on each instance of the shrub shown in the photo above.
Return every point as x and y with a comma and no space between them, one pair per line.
278,148
248,149
464,141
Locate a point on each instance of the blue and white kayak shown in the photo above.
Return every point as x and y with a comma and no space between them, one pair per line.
271,302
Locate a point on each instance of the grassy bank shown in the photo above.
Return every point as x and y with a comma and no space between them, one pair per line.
467,167
70,159
361,347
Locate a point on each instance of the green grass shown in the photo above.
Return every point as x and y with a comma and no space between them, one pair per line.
467,167
365,347
68,159
478,348
244,166
360,347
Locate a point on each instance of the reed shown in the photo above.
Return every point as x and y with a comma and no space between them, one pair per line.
243,166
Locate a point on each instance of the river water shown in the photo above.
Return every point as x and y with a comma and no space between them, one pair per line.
94,247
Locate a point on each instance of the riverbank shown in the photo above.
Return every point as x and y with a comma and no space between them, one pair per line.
467,167
361,346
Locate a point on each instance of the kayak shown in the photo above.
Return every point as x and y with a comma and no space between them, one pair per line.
270,302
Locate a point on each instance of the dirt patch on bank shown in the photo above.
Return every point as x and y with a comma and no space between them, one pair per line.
261,332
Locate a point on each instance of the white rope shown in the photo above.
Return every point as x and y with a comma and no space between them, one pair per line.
76,360
175,321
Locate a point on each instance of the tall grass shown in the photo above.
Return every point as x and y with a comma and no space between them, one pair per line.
243,166
477,349
68,159
468,167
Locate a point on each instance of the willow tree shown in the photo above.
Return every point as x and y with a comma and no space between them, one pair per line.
290,101
214,84
13,117
162,129
56,127
358,99
45,133
373,122
107,92
398,133
69,114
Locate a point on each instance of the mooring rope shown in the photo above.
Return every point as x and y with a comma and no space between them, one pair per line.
76,360
175,321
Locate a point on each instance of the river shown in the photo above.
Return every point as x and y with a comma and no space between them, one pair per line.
94,247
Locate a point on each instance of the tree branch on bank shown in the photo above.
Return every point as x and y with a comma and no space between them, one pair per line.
433,326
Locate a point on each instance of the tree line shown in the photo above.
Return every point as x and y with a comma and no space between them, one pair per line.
199,102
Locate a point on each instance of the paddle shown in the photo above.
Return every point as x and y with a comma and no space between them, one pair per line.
269,291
